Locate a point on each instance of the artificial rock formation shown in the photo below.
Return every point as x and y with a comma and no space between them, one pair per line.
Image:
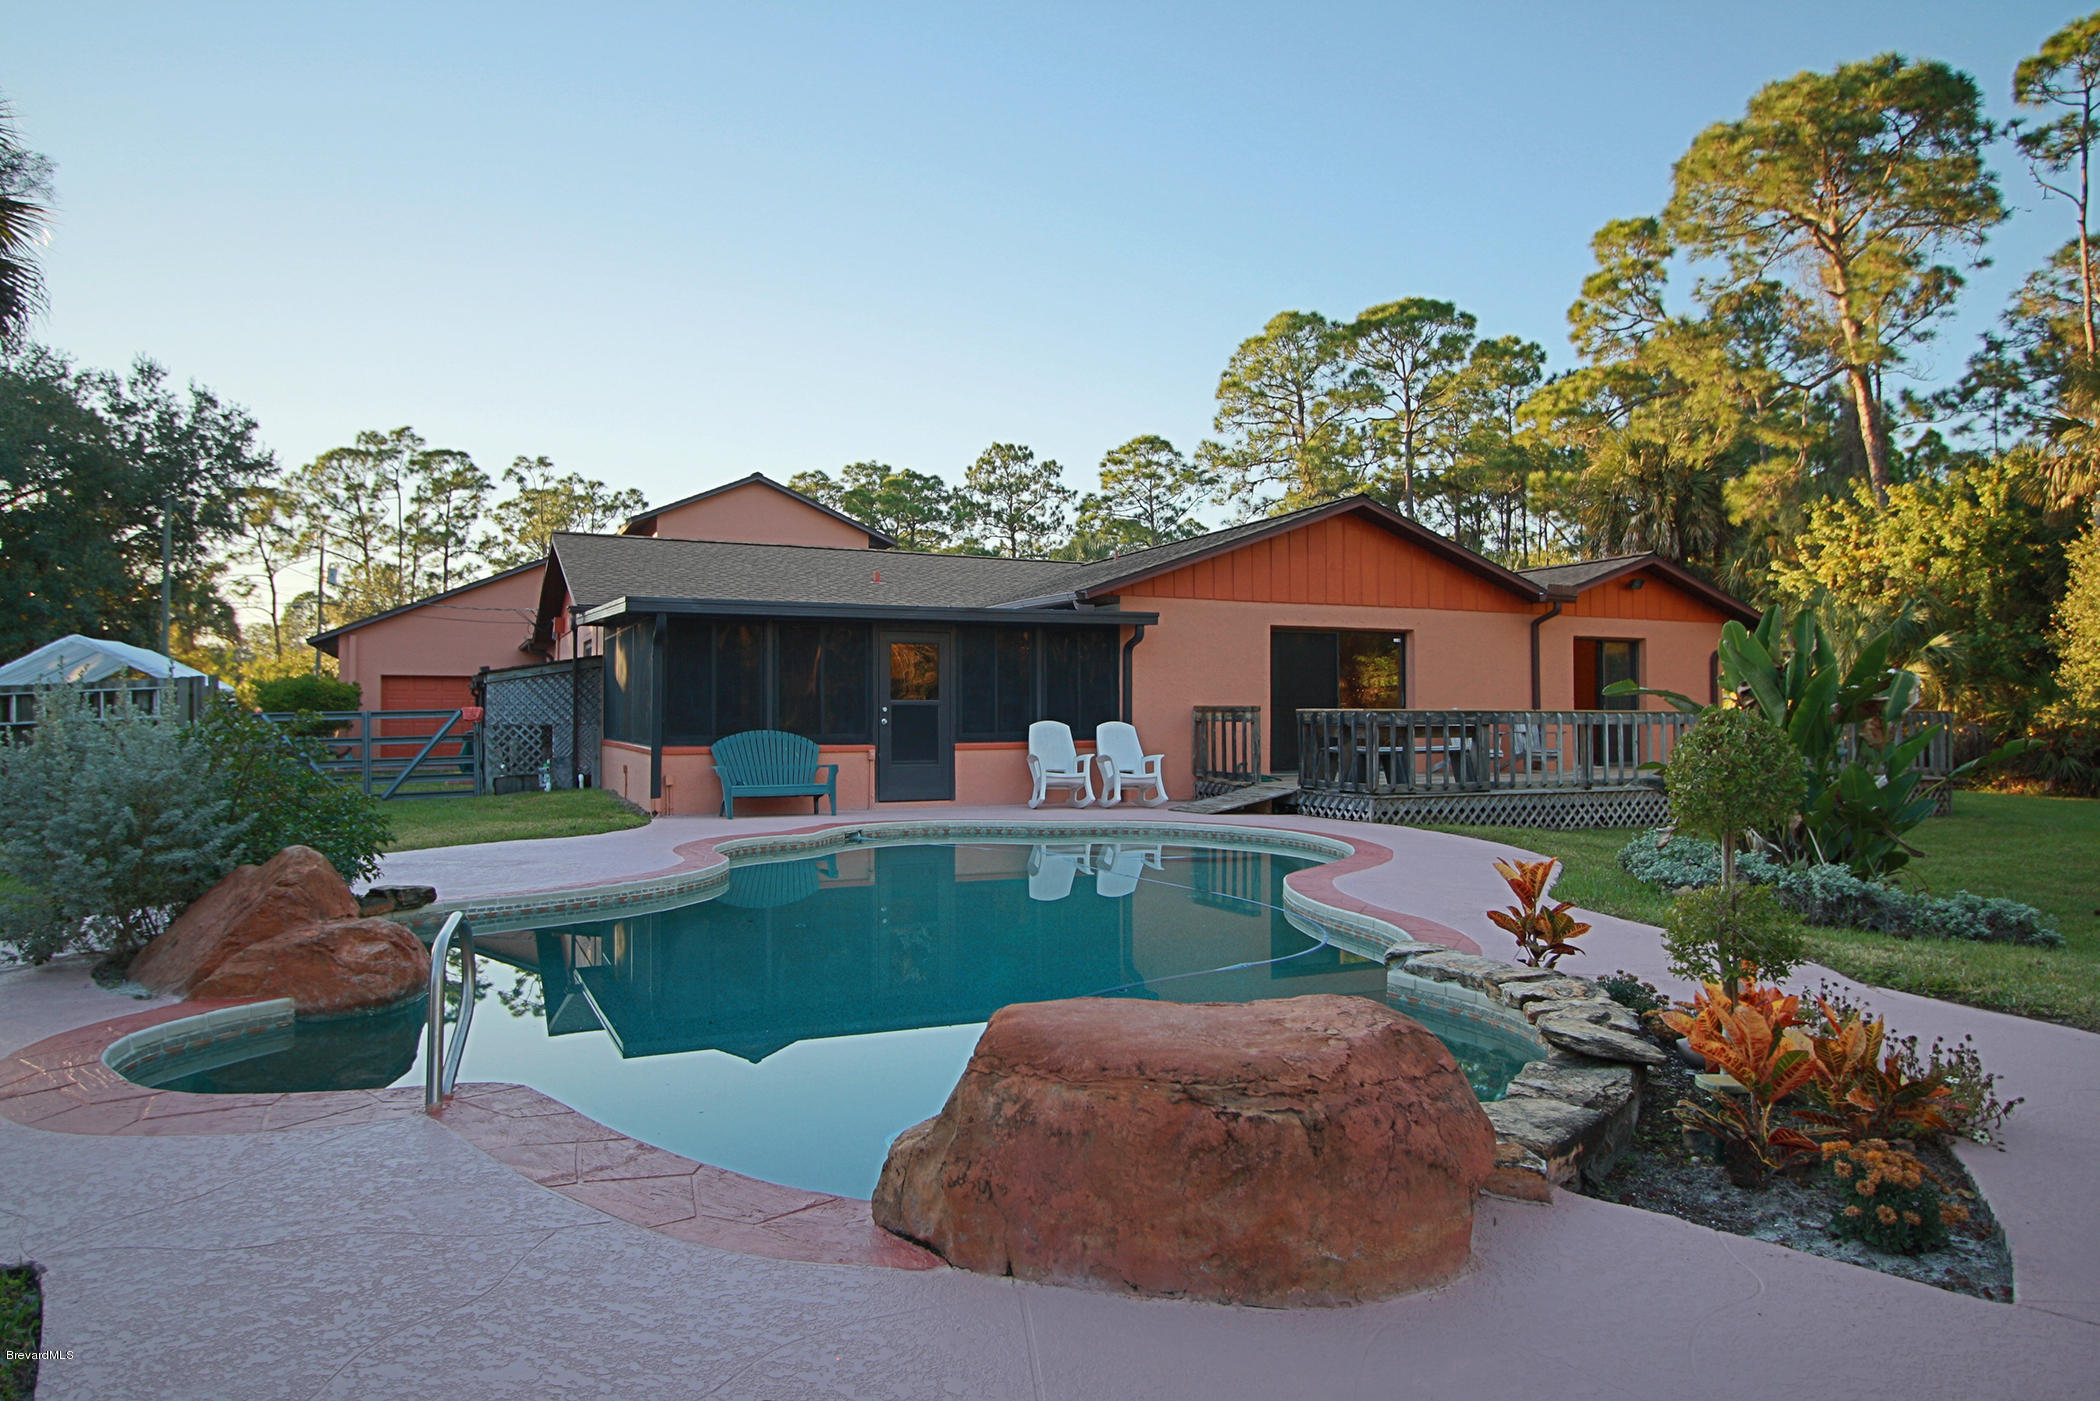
1308,1150
286,928
354,965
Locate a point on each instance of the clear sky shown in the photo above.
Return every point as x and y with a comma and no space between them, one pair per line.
671,244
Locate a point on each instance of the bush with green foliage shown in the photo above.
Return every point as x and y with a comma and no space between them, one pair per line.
269,777
1888,1198
1724,933
306,696
106,826
1632,991
1864,789
1833,897
307,691
110,825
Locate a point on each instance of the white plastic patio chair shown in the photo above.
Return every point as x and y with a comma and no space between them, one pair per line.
1124,761
1122,867
1051,867
1054,762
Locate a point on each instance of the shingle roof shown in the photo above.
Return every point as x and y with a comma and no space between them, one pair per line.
601,568
1583,573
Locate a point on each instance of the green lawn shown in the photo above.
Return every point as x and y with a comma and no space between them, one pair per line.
2045,851
21,1329
427,822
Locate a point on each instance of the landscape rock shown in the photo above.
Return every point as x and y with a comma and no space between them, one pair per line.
1519,1173
294,889
1575,1080
1551,989
1307,1150
356,965
1600,1042
1600,1010
1485,975
403,897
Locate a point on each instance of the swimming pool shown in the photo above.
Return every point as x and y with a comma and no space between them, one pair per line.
793,1023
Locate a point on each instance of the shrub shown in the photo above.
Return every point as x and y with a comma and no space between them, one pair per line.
306,695
108,824
1544,932
1888,1198
1717,933
307,692
1632,992
270,778
1733,772
1833,896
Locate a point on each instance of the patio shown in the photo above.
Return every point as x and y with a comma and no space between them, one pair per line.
394,1256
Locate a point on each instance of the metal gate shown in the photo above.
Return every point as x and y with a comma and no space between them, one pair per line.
541,725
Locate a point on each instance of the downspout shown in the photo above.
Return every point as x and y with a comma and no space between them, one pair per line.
1537,693
656,710
1137,635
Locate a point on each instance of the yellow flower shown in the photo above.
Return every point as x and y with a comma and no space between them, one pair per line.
1866,1186
1853,1212
1841,1168
1886,1215
1953,1214
1911,1218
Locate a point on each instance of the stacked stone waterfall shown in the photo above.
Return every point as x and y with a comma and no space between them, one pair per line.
1307,1150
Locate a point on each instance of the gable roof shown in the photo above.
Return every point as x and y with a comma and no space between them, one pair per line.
1567,580
877,539
326,641
1105,576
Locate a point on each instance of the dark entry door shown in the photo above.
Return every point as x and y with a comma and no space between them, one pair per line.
914,724
1304,674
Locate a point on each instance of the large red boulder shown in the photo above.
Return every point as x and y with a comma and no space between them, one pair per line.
352,965
1309,1150
294,889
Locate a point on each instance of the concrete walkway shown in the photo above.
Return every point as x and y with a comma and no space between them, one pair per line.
394,1258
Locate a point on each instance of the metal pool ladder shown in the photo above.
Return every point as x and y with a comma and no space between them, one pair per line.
440,1062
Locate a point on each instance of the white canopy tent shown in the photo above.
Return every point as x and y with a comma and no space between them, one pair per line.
106,669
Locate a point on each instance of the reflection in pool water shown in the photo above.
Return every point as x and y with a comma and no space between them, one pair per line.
793,1024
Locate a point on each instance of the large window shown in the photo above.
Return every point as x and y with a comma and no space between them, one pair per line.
1372,670
630,682
995,683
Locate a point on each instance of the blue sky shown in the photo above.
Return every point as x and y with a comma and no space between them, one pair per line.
668,245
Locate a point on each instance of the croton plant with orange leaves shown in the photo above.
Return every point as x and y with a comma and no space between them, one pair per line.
1752,1038
1544,932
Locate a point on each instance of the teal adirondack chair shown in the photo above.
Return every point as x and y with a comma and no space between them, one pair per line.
772,764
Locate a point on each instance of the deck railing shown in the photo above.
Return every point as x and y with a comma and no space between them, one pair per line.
1228,744
1477,751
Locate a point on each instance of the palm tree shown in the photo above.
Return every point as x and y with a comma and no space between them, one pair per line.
25,179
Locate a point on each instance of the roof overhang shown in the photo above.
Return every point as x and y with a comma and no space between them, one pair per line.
1677,574
614,610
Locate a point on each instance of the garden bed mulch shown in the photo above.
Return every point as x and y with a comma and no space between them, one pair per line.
1660,1173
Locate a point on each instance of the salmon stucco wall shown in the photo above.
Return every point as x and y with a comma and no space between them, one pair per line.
476,627
985,774
759,515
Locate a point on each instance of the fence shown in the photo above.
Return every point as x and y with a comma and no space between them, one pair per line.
1228,747
541,725
393,753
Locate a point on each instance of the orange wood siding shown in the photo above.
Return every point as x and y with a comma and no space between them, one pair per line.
1340,560
1657,600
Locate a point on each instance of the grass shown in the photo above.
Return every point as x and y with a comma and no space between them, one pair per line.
428,822
21,1329
2045,851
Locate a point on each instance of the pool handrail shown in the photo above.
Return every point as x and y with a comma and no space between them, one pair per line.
441,1063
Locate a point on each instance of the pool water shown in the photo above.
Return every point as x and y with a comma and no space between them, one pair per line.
793,1024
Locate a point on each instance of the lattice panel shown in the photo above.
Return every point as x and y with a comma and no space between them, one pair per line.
1560,810
539,718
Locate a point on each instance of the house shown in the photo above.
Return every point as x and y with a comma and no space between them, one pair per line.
425,655
918,674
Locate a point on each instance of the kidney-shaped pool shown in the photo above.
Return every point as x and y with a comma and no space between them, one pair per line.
796,1020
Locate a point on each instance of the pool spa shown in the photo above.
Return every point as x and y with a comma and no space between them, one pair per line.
791,1020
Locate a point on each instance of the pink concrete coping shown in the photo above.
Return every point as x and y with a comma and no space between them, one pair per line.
703,855
62,1084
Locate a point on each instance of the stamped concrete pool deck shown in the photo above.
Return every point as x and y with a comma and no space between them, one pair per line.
393,1257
